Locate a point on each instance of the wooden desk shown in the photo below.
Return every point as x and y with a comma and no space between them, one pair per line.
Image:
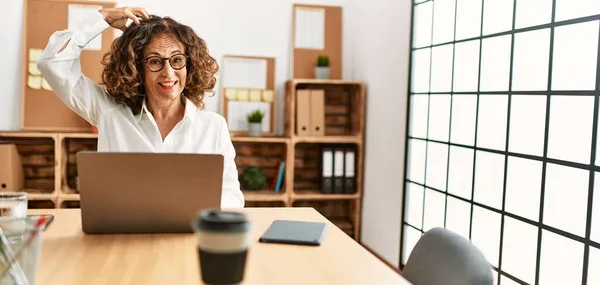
70,257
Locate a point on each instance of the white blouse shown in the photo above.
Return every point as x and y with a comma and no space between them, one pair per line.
119,130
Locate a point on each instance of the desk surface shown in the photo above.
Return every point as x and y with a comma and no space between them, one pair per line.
70,257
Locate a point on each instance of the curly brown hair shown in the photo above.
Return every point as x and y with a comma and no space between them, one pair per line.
123,73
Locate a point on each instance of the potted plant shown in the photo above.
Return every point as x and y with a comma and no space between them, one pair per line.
322,68
253,178
255,123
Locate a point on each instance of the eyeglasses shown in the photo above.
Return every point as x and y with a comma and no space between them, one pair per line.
156,63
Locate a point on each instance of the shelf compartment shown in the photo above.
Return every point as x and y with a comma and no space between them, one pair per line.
341,112
37,156
70,147
268,156
344,107
342,213
41,204
308,169
70,204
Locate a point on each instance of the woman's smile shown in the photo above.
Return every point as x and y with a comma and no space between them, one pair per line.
167,85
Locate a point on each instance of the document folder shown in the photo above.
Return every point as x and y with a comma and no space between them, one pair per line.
317,112
303,112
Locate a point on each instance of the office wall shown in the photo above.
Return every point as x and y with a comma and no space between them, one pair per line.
10,69
503,134
379,54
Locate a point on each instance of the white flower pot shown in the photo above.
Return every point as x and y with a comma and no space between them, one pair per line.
254,129
322,72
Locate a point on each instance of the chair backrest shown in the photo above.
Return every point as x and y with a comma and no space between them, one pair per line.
444,257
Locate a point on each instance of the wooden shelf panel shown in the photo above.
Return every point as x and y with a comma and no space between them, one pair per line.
52,135
328,139
254,196
317,195
37,195
325,82
79,135
17,134
263,139
264,195
70,197
234,137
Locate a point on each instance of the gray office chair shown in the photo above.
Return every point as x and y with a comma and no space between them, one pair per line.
442,257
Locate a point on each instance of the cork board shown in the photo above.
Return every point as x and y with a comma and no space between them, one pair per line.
41,108
248,83
328,29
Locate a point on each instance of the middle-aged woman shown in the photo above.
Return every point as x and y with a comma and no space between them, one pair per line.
153,82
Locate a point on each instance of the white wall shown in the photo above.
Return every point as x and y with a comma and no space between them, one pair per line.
11,67
381,35
376,37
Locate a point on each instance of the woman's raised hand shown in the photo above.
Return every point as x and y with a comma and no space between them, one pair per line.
117,17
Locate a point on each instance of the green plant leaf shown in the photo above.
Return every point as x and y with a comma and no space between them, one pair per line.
255,116
323,61
253,178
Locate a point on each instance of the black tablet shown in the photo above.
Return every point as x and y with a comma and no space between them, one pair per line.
294,232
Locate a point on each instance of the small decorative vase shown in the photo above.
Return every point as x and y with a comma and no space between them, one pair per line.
254,129
322,72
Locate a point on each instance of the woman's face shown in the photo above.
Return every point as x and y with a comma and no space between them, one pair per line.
164,80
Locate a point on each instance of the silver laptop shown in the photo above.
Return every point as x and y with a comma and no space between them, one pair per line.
128,193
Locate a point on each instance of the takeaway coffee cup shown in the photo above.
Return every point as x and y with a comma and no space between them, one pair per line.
222,245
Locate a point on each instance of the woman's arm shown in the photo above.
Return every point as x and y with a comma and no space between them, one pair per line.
61,67
232,196
60,63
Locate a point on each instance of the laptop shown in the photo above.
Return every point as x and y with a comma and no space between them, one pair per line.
135,193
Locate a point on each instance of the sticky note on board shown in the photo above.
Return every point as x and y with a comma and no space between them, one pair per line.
34,82
34,54
45,85
267,95
255,95
33,70
242,95
231,93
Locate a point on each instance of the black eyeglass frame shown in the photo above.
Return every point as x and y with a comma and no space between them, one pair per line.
163,59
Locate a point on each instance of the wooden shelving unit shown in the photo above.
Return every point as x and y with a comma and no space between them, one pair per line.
49,162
